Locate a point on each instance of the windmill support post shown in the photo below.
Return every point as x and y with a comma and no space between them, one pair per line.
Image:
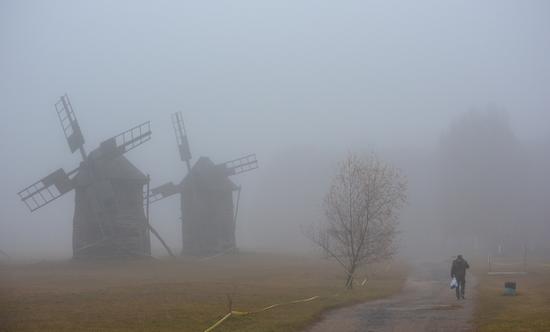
161,240
149,224
237,205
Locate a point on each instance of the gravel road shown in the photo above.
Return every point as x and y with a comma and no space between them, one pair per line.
425,304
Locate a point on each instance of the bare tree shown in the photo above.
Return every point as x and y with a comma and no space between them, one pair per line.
361,214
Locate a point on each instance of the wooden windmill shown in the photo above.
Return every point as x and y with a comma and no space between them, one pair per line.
208,208
109,218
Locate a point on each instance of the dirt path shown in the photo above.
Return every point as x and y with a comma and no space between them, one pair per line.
426,304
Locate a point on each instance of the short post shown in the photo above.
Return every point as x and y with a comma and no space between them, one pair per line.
524,258
510,288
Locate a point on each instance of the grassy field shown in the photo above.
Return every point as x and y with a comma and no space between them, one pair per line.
179,295
528,311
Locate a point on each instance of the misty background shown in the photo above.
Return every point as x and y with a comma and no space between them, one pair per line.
455,93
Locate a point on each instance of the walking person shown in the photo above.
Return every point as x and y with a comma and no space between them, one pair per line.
458,271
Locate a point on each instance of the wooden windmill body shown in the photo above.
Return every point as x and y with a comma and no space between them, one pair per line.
109,218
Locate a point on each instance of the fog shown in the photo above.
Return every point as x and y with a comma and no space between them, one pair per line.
455,93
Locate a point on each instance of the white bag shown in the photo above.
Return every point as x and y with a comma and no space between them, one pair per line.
454,283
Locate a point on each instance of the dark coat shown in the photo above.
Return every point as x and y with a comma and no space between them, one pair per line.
458,269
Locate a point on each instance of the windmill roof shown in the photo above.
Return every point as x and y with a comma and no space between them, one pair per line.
211,175
114,168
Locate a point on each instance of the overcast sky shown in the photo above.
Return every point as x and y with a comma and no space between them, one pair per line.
252,76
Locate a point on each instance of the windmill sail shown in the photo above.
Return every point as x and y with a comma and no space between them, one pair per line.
181,137
163,191
47,189
126,141
69,124
241,165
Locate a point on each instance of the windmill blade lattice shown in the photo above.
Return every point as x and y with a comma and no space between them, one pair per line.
126,141
69,124
181,138
241,165
162,191
47,189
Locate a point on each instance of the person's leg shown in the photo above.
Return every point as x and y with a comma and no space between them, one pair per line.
462,287
457,289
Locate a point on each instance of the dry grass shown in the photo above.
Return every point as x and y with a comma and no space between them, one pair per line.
181,295
528,311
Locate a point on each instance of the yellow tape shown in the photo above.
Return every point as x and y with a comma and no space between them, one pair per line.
306,300
243,313
240,313
218,322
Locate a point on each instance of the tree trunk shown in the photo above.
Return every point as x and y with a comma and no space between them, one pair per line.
349,282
